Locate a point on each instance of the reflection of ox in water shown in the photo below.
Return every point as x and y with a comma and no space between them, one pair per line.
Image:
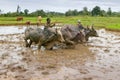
39,36
74,34
19,19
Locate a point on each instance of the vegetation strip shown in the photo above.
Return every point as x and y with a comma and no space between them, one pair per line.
110,23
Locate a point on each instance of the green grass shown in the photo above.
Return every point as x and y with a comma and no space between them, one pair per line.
112,23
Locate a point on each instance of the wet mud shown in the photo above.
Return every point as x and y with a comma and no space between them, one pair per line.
98,59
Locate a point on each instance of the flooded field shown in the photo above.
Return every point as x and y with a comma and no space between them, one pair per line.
96,60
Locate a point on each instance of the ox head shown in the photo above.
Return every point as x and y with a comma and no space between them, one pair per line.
57,34
93,32
90,32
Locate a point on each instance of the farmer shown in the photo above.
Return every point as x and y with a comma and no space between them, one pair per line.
48,23
49,34
79,24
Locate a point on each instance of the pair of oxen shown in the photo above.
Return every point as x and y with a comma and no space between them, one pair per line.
67,35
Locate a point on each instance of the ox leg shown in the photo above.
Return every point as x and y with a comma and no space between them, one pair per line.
70,42
39,45
61,36
50,45
86,38
26,42
30,44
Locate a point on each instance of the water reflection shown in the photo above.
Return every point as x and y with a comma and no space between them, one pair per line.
14,29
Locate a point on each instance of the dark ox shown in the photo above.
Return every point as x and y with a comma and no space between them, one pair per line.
71,34
39,36
19,19
74,34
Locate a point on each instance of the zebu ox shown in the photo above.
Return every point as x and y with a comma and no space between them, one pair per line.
73,34
39,36
19,19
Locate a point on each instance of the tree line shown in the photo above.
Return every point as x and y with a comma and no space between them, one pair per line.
96,11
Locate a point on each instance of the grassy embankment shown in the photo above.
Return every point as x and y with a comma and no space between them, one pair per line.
112,23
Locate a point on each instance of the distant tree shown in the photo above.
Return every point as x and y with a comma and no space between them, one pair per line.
80,12
38,13
68,13
96,11
71,13
109,12
21,13
103,13
75,12
85,11
14,14
26,12
0,11
52,14
116,14
18,9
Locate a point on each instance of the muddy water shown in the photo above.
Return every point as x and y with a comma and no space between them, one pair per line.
107,52
96,60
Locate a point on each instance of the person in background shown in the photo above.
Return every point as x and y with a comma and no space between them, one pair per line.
79,24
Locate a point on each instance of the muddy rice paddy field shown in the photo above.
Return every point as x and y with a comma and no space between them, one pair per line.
99,59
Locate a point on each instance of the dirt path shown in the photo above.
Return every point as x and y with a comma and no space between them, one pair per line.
96,60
